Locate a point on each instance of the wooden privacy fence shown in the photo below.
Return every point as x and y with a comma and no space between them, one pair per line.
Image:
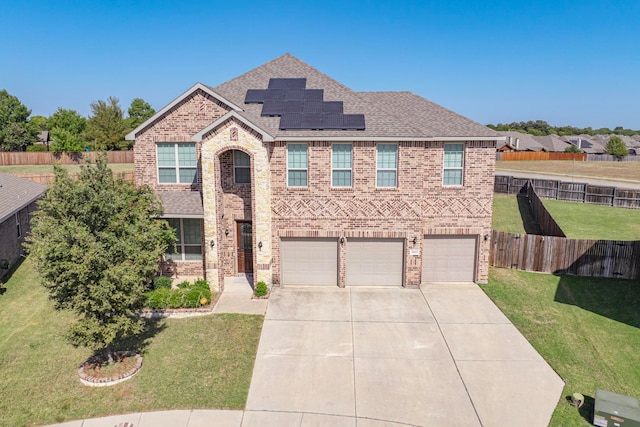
47,178
598,258
11,158
539,155
548,225
570,191
610,158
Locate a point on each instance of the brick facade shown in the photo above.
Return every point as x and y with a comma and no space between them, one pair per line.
11,248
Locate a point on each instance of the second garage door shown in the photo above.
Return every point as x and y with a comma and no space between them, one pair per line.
449,259
374,262
309,261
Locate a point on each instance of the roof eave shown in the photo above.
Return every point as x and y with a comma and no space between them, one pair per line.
389,138
131,136
266,137
22,206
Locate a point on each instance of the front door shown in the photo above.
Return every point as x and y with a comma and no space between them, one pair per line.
245,247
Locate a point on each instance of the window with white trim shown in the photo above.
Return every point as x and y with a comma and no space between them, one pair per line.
297,165
387,165
453,164
341,165
188,246
177,162
241,167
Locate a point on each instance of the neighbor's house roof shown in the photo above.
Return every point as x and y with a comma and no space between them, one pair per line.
17,193
388,115
584,143
552,143
519,141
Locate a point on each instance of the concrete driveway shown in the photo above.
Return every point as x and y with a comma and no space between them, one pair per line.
443,355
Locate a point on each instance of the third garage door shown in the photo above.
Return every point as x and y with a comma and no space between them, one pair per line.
449,259
309,261
374,262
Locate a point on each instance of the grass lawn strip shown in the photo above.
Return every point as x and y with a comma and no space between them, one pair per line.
48,169
619,171
585,328
199,362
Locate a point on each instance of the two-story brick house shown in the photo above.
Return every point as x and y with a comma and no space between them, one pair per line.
290,176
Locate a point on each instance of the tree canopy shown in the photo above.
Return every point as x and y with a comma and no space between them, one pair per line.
106,128
15,131
541,127
66,128
96,244
616,147
139,111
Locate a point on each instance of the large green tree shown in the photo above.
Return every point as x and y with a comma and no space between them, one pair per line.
106,128
139,111
66,128
616,147
15,132
96,244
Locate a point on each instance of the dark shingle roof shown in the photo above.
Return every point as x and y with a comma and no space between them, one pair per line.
181,204
387,114
17,193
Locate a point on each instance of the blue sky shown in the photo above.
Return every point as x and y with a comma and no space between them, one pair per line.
567,62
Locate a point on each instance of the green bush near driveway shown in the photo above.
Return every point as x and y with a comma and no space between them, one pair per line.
185,295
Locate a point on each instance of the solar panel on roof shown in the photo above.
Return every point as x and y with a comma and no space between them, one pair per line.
332,107
274,95
255,96
271,108
314,95
312,120
333,121
294,94
291,121
354,121
292,107
312,107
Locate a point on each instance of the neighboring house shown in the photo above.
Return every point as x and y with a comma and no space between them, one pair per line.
552,143
17,201
516,141
289,176
43,138
585,143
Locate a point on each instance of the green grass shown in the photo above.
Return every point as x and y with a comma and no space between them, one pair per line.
585,328
200,362
513,215
48,169
586,221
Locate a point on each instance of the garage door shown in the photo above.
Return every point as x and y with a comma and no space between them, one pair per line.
309,261
449,259
374,262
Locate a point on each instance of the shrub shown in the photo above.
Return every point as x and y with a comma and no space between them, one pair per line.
36,147
261,289
186,295
162,282
158,298
184,285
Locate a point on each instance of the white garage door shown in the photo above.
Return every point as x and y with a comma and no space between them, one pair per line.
309,261
449,259
374,262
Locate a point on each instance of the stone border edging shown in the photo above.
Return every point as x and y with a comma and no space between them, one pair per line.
90,381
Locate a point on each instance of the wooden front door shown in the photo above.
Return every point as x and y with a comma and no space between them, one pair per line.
244,236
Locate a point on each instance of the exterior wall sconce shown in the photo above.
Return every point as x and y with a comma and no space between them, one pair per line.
260,245
342,240
212,243
486,237
226,232
415,240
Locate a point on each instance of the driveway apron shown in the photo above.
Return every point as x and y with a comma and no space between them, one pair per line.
372,356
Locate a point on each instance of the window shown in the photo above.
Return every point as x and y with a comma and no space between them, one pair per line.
18,226
241,167
453,164
176,163
297,165
387,165
341,163
188,245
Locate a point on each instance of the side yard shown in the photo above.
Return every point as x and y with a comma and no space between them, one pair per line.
201,362
585,328
628,171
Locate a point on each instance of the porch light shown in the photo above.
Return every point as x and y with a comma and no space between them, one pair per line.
342,240
226,232
212,243
415,240
259,245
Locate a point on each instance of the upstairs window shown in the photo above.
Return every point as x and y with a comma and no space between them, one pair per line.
453,164
387,165
341,165
297,165
188,246
241,167
177,163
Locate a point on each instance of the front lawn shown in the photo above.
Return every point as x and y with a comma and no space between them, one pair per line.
199,362
585,328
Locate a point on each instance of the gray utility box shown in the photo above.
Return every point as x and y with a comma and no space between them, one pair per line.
616,410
